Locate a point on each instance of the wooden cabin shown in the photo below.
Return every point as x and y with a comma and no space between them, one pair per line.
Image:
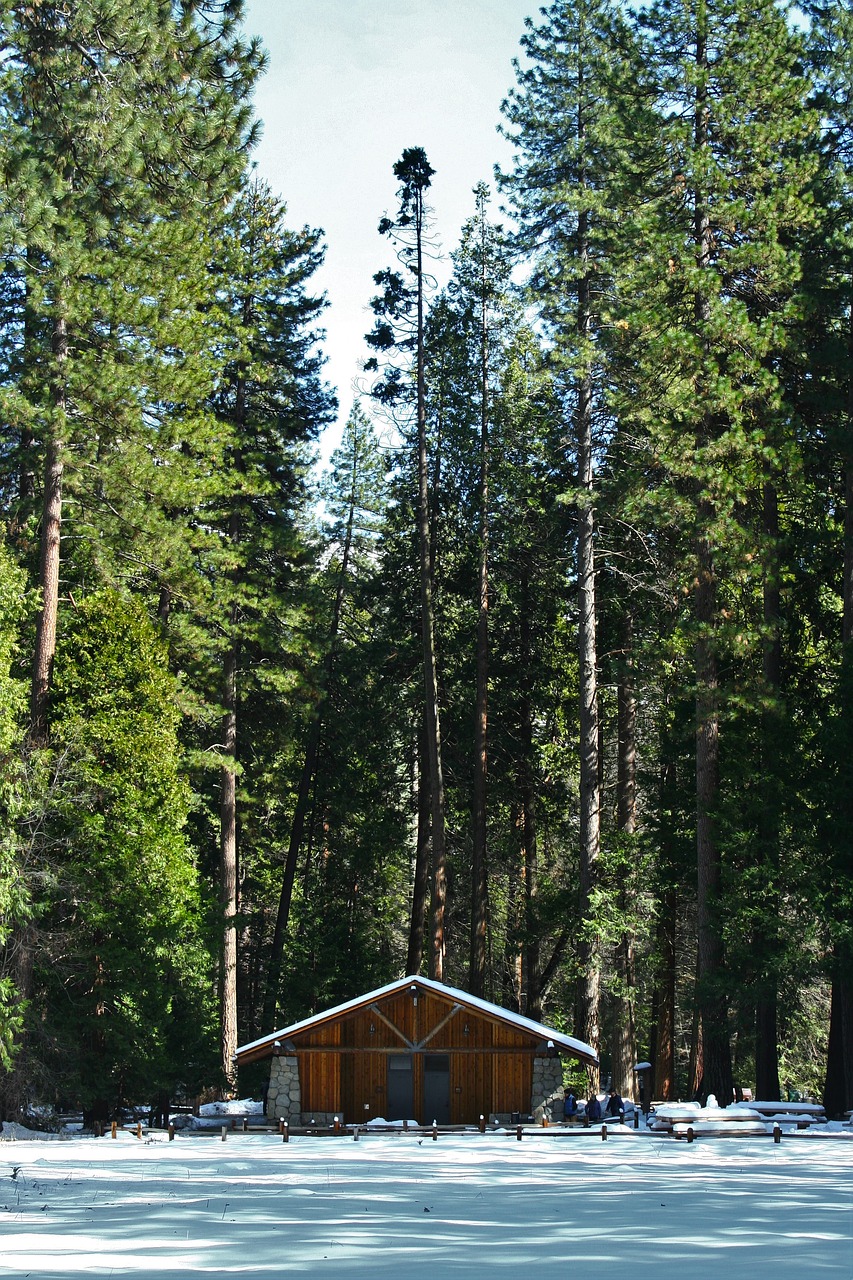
414,1050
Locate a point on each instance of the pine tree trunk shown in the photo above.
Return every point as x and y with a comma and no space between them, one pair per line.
664,1057
45,649
589,983
624,1046
479,888
228,870
531,1003
767,931
420,885
838,1090
431,702
711,997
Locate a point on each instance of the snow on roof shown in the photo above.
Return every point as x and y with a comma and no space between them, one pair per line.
559,1040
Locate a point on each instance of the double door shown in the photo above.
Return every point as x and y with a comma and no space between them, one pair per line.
400,1089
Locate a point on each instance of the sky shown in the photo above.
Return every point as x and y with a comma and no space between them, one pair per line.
556,1206
350,84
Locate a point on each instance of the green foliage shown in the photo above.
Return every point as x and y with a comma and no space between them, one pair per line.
120,1005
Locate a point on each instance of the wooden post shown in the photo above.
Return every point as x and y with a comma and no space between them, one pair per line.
518,1133
636,1118
604,1133
690,1133
114,1129
224,1131
435,1131
337,1124
355,1134
482,1124
139,1129
245,1124
281,1124
544,1119
171,1133
285,1131
777,1133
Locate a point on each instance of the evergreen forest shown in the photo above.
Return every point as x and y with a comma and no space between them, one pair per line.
544,687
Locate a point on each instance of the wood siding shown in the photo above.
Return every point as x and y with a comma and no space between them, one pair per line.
343,1064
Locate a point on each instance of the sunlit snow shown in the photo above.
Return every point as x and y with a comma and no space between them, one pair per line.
557,1204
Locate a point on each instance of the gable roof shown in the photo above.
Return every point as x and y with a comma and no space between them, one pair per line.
265,1046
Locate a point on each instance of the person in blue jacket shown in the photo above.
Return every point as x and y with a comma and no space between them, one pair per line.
593,1108
570,1106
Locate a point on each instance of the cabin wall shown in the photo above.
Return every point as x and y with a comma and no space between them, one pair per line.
343,1066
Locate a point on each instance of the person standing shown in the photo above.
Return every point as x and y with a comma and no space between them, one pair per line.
570,1106
615,1106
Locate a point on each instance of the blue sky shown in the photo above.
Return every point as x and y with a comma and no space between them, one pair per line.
350,84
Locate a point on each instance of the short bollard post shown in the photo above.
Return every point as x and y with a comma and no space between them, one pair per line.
224,1131
405,1126
518,1133
245,1124
139,1129
114,1129
281,1124
604,1133
777,1133
544,1119
285,1131
690,1133
585,1120
171,1133
355,1134
337,1124
482,1124
435,1131
636,1118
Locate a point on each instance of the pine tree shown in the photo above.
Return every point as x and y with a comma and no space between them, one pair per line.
273,401
119,117
732,200
400,312
568,118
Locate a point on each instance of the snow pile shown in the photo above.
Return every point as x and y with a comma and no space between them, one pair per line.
212,1114
740,1118
233,1107
11,1131
379,1123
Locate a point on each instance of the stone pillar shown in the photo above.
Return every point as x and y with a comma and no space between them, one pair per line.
547,1088
284,1097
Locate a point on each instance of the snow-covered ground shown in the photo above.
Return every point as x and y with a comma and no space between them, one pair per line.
556,1205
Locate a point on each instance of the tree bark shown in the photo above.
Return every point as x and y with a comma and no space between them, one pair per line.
664,1058
479,886
589,983
767,932
420,884
711,997
431,701
624,1046
228,869
51,525
531,987
838,1090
